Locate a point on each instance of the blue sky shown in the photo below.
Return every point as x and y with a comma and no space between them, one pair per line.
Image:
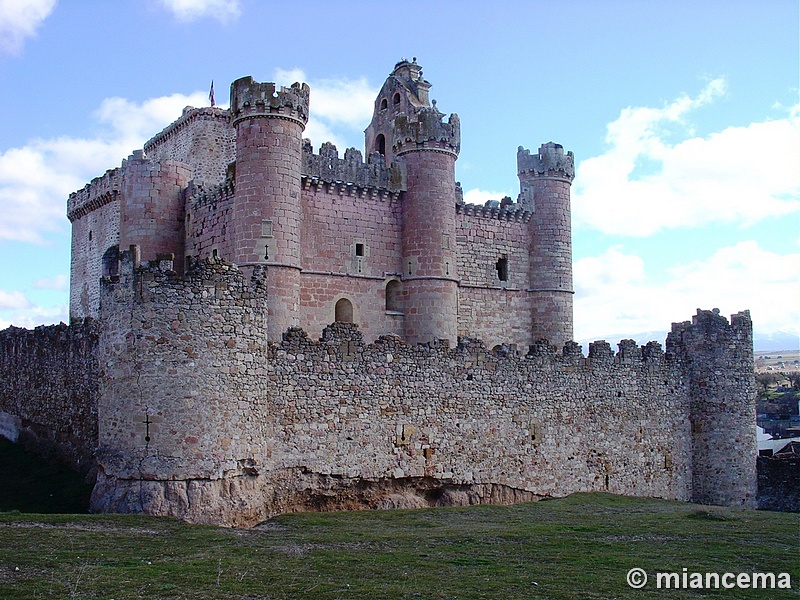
683,116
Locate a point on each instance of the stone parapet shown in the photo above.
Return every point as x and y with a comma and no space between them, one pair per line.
189,116
350,171
250,98
496,209
423,129
98,192
549,162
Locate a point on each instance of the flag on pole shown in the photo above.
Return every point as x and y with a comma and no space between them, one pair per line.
211,94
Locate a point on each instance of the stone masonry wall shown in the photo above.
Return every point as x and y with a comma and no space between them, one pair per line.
351,247
240,429
48,390
208,222
202,138
95,215
495,311
717,358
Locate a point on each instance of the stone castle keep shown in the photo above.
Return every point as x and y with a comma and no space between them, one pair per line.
258,328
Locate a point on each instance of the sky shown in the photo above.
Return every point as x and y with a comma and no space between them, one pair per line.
683,116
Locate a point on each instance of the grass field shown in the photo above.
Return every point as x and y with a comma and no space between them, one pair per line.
576,547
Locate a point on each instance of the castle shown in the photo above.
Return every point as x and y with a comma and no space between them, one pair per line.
206,266
386,242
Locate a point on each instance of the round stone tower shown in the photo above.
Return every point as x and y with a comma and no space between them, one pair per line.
269,127
152,207
545,181
428,148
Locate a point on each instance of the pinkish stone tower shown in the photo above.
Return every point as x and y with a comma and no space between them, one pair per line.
267,213
152,207
545,181
427,148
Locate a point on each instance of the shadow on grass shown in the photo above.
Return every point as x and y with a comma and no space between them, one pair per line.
31,484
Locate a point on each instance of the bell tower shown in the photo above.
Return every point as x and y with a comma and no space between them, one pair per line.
403,92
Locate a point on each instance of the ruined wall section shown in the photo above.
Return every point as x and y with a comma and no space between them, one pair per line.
493,262
717,359
203,138
94,212
176,411
48,391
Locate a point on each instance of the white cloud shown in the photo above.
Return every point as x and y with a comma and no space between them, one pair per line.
58,283
19,20
36,179
32,316
614,294
192,10
479,196
13,300
340,108
644,183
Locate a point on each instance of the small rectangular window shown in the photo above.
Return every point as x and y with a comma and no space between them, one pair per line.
359,249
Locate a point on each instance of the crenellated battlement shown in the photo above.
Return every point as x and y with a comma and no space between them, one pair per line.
424,129
200,196
502,210
549,162
98,192
350,175
250,98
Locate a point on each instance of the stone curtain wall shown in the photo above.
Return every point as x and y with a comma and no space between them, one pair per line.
240,429
48,391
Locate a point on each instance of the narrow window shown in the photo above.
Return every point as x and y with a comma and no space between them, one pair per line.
359,249
343,311
384,104
90,236
380,144
394,296
214,253
502,268
396,99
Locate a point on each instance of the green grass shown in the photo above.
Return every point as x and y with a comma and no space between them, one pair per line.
576,547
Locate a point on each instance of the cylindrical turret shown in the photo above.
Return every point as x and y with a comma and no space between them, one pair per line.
545,180
266,216
429,148
152,207
717,361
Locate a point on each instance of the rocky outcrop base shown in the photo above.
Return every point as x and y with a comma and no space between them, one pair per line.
246,500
